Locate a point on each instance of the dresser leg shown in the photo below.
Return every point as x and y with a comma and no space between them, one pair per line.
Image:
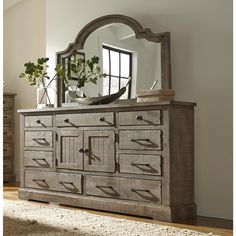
9,178
175,213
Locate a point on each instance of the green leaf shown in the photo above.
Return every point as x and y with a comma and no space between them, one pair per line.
74,68
58,68
95,60
90,65
39,67
33,83
94,80
42,60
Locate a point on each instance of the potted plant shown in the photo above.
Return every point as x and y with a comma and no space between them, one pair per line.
81,70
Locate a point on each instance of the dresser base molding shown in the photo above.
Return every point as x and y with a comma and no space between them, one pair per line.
165,213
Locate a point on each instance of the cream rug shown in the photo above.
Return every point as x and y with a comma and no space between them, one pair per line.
27,218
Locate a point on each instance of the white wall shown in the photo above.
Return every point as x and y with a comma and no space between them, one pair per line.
24,40
201,51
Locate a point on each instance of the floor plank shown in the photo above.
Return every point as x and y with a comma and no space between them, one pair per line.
203,224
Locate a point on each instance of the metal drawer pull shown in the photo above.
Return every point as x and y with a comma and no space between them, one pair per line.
108,190
39,122
140,190
102,119
38,159
139,164
66,120
140,139
139,117
103,186
81,150
63,182
39,139
42,180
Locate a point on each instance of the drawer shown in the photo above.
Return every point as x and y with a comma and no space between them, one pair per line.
7,149
7,133
53,181
132,189
140,139
8,102
40,179
8,117
7,166
38,121
38,138
69,183
38,159
140,164
140,118
91,119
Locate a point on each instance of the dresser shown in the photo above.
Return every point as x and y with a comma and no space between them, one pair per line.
8,137
130,158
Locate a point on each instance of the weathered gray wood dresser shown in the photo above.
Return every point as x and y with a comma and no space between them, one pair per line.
8,136
128,158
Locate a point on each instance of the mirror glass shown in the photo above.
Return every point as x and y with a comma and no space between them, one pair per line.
122,57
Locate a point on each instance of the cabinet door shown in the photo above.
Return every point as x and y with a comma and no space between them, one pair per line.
99,151
69,154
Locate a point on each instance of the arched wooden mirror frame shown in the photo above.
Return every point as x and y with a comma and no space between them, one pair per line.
140,32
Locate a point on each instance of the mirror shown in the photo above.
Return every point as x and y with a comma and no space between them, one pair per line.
127,52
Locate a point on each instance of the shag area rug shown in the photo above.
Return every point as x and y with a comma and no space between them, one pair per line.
27,218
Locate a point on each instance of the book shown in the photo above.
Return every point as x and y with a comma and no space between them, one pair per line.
147,92
154,98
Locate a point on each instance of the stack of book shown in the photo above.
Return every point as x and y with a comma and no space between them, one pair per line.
155,95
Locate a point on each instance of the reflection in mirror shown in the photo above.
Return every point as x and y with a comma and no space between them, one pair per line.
122,56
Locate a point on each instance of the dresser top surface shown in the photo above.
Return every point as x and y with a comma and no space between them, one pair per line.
127,105
9,94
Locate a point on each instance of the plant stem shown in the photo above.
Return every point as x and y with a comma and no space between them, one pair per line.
45,92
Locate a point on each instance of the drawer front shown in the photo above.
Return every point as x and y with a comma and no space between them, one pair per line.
8,102
140,118
38,138
69,183
140,164
140,139
7,133
132,189
53,181
7,149
38,159
40,179
7,166
7,118
38,121
92,119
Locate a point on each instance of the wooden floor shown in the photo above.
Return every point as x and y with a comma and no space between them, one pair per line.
202,224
